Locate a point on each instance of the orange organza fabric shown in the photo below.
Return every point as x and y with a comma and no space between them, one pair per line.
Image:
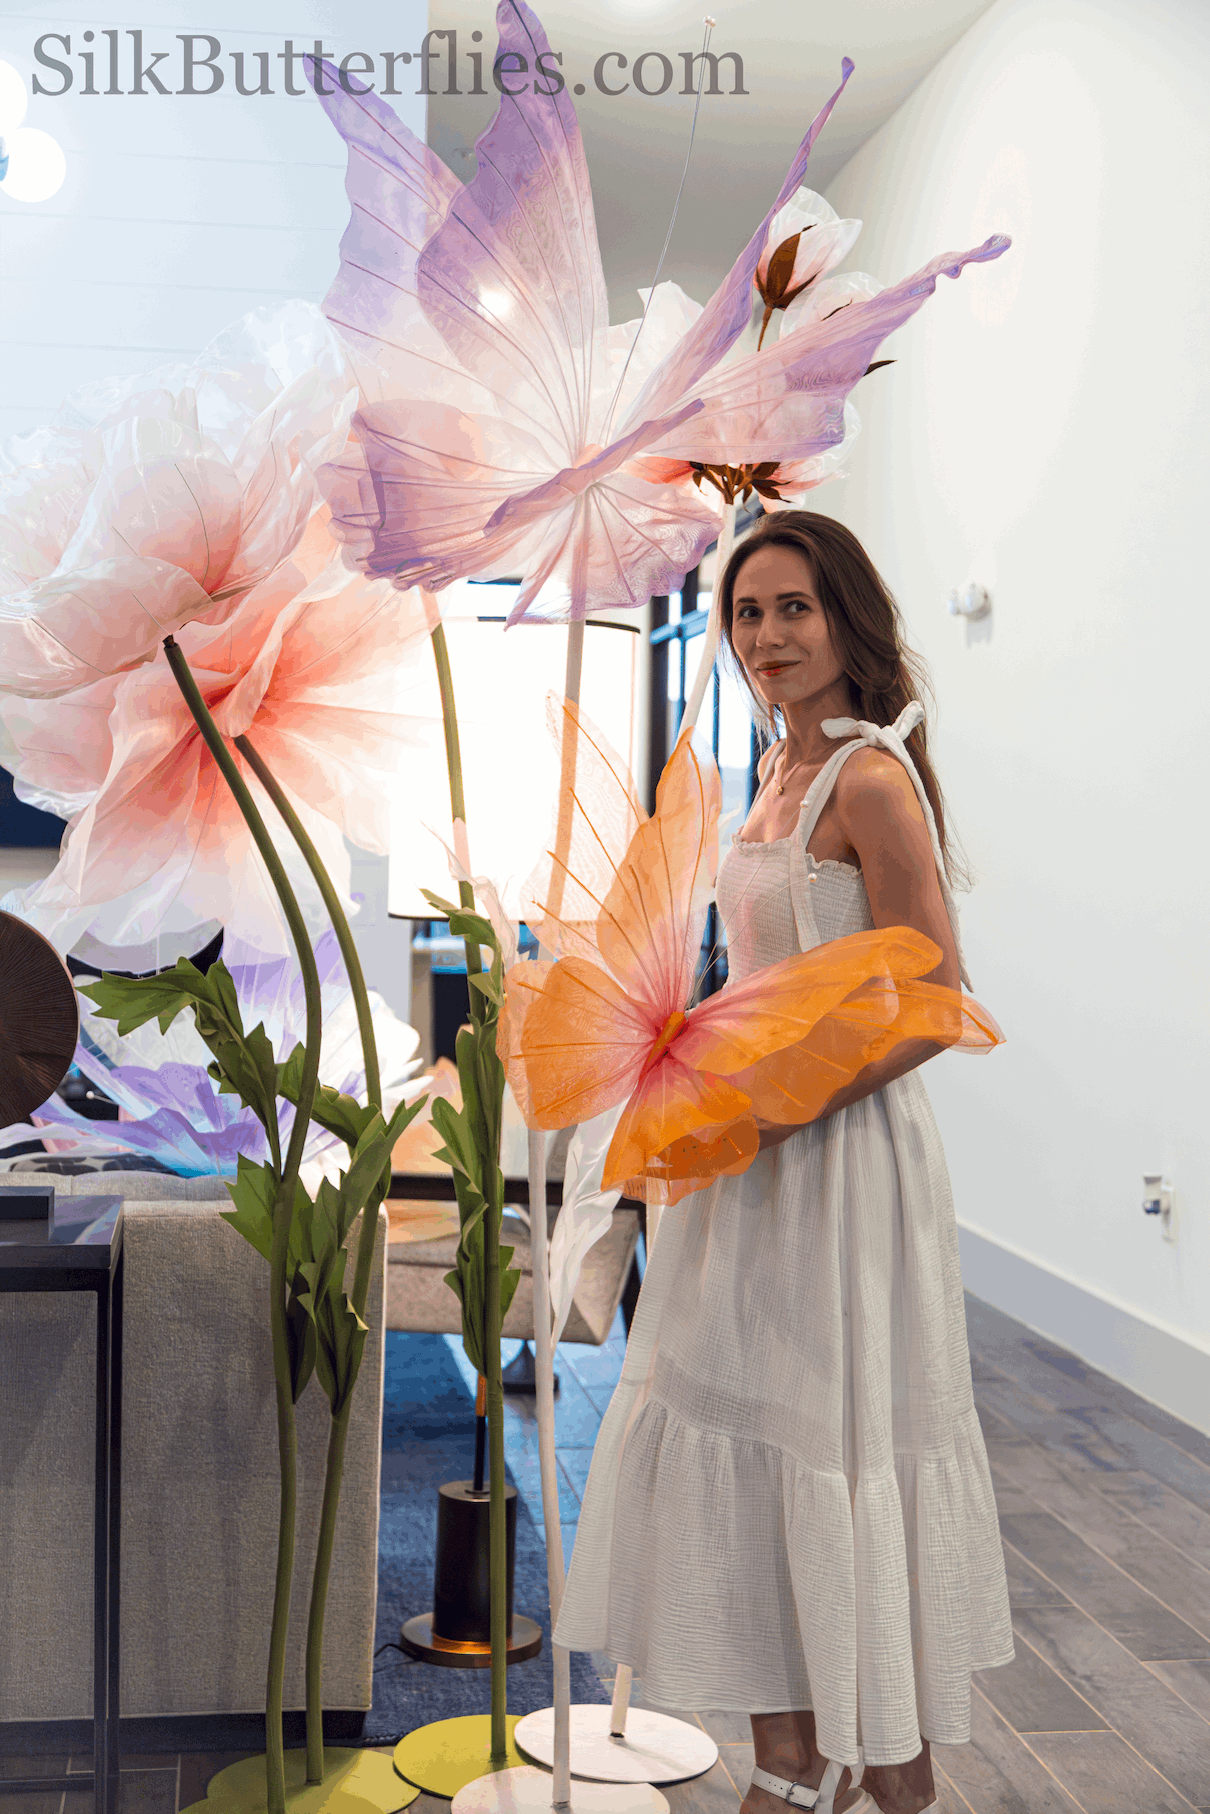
611,1020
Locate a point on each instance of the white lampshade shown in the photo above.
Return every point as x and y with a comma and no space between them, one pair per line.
501,683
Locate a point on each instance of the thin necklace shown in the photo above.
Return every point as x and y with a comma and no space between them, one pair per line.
781,785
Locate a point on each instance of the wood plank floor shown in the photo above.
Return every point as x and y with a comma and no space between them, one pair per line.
1105,1512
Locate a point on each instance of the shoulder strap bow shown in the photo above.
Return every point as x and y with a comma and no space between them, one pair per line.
892,738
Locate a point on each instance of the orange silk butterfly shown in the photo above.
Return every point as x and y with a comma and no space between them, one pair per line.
612,1020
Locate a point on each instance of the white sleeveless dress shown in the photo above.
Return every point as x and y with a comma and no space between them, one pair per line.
789,1503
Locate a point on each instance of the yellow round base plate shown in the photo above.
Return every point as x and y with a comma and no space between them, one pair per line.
444,1757
355,1782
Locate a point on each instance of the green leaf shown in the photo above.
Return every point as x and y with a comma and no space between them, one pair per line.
289,1075
371,1156
460,1154
254,1194
340,1333
301,1342
401,1118
338,1114
133,1001
509,1280
489,984
464,922
244,1064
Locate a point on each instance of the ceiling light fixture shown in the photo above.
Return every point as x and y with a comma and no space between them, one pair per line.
32,164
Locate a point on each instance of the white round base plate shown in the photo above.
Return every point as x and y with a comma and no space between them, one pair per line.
529,1791
656,1749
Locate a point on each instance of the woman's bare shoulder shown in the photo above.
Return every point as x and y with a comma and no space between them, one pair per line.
873,783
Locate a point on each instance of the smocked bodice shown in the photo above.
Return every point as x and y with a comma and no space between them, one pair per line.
775,900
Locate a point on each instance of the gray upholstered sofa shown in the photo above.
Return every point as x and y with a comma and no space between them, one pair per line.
199,1460
199,1478
418,1297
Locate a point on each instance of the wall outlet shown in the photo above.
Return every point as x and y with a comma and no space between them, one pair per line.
1157,1201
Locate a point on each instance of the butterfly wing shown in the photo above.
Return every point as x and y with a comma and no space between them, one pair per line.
649,930
781,1005
693,1161
796,1084
596,815
674,1096
571,1041
779,1046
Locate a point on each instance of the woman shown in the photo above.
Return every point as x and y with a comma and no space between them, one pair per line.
789,1511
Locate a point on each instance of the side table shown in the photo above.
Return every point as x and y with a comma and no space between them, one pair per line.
80,1249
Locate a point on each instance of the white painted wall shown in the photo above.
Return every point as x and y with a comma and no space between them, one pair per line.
180,212
1044,433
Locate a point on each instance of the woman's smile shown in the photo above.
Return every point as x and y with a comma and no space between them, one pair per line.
781,635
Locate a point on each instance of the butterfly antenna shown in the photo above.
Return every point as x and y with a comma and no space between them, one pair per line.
701,80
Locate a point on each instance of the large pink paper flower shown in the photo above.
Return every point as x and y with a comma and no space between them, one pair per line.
308,665
491,437
154,501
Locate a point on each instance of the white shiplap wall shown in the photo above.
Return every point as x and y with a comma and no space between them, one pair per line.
179,212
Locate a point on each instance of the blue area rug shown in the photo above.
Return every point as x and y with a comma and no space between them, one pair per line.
429,1437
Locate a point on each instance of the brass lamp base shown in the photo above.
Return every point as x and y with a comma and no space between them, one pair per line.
419,1639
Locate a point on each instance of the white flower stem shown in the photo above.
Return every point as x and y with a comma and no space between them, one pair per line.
705,667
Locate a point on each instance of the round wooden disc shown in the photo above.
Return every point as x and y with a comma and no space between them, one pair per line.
444,1757
417,1639
656,1747
528,1791
355,1782
39,1020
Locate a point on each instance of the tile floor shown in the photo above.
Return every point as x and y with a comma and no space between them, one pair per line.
1105,1511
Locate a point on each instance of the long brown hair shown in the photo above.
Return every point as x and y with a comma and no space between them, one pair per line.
866,627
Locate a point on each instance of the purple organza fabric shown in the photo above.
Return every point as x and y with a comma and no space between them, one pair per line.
175,1111
487,441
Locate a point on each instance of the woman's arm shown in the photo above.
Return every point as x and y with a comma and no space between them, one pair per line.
881,818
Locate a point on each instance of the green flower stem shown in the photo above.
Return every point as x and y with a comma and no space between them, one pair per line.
497,1512
340,923
453,762
339,1429
357,984
283,1213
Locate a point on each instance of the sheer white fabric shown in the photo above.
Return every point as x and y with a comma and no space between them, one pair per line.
789,1504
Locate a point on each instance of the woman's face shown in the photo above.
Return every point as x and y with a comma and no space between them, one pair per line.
780,630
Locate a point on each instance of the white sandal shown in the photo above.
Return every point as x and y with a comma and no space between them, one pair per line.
820,1800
